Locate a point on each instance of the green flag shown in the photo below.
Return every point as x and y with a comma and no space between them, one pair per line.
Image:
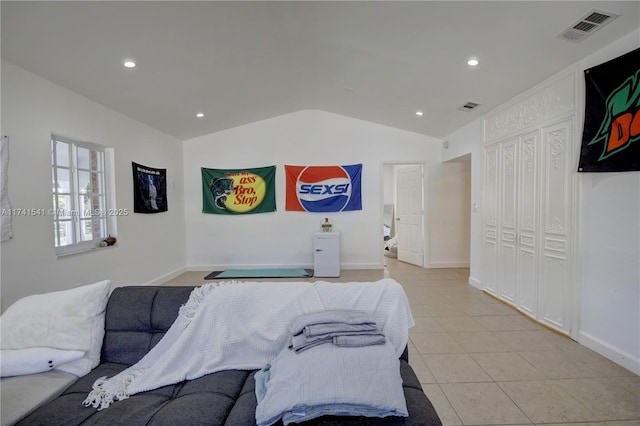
239,191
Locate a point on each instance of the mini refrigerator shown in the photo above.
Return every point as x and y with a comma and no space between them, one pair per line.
326,254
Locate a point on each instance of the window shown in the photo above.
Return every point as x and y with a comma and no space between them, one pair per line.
80,199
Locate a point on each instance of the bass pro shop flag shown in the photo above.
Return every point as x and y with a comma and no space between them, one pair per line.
324,189
238,191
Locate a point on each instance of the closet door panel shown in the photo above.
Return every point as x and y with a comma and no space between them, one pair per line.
508,215
491,188
527,273
554,287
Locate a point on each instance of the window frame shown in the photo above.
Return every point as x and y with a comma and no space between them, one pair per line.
77,214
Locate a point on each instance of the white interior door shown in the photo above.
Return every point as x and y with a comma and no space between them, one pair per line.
409,219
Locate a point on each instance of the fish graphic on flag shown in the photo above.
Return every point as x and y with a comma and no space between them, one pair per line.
323,189
238,191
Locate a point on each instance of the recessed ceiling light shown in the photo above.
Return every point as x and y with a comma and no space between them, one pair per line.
129,64
419,113
472,62
200,115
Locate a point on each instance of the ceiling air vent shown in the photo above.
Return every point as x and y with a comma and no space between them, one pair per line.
469,106
588,24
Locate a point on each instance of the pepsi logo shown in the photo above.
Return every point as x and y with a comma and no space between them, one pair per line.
323,188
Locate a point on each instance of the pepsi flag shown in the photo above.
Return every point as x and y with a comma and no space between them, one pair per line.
324,189
238,191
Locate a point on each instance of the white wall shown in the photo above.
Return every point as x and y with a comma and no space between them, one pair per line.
389,184
149,246
449,214
610,250
468,141
283,238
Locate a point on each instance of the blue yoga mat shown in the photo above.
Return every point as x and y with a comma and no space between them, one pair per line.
261,273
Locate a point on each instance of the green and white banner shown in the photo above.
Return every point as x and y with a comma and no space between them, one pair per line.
239,191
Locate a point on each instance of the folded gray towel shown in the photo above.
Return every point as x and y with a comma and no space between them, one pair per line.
328,317
301,342
357,328
314,330
310,344
356,341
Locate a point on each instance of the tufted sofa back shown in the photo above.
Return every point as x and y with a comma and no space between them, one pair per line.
138,316
136,319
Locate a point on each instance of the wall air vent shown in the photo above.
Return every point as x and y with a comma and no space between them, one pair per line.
469,106
587,25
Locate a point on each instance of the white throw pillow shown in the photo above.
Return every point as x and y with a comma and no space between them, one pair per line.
69,320
19,362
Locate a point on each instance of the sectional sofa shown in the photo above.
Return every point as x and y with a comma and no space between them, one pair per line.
136,319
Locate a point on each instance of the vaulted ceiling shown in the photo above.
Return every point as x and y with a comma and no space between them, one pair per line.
239,62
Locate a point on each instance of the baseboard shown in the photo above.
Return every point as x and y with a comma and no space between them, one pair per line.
475,283
441,265
209,268
202,268
166,277
616,355
362,266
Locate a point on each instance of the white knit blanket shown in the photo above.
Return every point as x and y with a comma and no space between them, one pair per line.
243,326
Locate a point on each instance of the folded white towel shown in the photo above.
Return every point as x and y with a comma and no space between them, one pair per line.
329,380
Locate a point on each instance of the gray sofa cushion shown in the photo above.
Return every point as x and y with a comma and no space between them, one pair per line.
136,319
208,400
223,398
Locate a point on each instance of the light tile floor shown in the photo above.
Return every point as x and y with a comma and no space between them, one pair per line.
481,362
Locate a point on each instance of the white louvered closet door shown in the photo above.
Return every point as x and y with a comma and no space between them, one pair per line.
555,283
491,197
508,216
530,194
528,217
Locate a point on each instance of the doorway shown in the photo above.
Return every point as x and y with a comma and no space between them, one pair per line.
403,195
450,213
